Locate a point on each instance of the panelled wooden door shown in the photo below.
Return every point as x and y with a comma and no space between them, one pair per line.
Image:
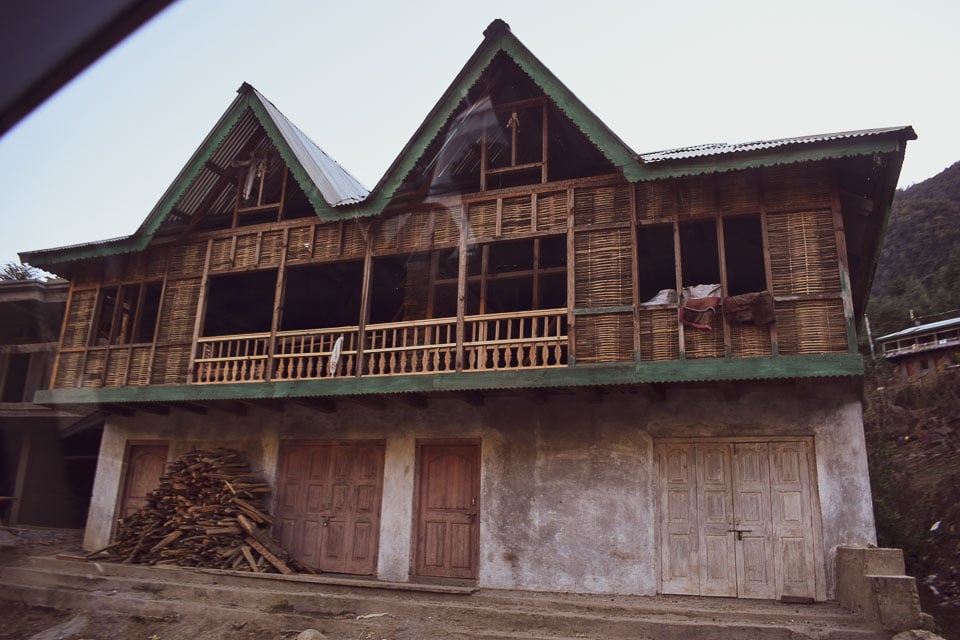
327,512
736,519
145,464
448,511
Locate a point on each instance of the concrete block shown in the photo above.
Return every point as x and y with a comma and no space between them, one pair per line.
871,583
897,602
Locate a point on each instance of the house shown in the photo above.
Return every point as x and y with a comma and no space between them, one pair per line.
922,350
528,358
47,454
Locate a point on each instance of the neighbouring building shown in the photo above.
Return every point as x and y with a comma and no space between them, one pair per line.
47,454
926,349
528,358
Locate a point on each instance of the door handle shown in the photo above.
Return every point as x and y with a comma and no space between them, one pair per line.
472,516
739,532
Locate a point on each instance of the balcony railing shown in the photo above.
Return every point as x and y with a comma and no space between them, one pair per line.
493,342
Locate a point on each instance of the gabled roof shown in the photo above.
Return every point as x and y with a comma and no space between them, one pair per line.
325,183
335,194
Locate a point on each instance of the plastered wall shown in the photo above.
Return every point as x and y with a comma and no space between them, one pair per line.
568,483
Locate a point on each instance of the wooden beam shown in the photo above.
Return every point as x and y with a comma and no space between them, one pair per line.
119,410
322,405
230,406
155,409
191,407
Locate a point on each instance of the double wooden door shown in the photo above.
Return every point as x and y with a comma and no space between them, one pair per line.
736,519
448,510
327,513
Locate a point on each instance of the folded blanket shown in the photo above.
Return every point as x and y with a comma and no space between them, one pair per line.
750,308
699,312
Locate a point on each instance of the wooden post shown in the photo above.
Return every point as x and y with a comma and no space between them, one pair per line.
844,265
681,342
462,284
767,266
571,281
280,292
724,290
63,331
23,463
201,310
544,173
364,293
635,269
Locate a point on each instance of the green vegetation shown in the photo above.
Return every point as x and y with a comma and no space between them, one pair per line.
920,261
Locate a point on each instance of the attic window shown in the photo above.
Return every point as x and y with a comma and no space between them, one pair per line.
514,147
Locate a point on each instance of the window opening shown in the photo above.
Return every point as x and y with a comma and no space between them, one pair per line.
699,254
127,314
513,148
657,280
15,381
743,252
322,296
400,288
519,275
241,303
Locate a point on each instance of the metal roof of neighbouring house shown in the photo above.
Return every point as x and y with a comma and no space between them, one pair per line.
930,327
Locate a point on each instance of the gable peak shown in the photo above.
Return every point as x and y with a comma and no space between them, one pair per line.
496,28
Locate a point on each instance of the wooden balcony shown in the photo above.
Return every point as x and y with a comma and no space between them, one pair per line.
492,342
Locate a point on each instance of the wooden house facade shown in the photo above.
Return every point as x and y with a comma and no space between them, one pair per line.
527,358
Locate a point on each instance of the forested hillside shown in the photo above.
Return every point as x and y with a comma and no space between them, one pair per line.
920,262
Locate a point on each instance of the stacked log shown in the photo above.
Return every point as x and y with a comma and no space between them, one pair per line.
207,512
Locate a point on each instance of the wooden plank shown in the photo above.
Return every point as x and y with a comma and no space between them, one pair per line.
634,269
278,564
248,556
364,295
679,278
462,295
279,294
544,150
767,263
571,281
724,288
844,265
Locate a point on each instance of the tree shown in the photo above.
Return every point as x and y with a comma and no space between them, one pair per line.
17,271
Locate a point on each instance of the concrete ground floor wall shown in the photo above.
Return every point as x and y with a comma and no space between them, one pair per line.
569,498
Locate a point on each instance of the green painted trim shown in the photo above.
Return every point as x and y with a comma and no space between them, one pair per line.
603,310
673,371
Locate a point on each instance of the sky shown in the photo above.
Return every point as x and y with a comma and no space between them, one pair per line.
360,76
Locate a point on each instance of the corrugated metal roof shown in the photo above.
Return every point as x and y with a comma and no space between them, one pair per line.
923,328
721,148
335,183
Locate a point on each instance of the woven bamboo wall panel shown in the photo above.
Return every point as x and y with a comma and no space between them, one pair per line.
414,232
298,243
603,270
811,326
68,370
78,318
117,367
157,259
739,192
245,252
170,365
803,253
271,248
516,217
385,232
113,269
604,338
659,335
747,341
703,344
93,368
326,244
178,311
187,258
446,226
552,211
600,205
139,372
656,200
220,254
696,197
793,187
354,240
482,218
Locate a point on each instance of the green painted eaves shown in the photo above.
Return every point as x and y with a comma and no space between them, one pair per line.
674,371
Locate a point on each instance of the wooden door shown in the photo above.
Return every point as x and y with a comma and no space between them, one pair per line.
736,519
448,511
145,464
327,513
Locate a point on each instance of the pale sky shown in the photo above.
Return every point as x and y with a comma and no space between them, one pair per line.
359,77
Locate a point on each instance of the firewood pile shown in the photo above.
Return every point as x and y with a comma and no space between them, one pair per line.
207,512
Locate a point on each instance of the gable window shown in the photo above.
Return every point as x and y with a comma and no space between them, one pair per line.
127,314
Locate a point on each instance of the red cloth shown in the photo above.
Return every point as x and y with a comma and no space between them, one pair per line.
699,312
